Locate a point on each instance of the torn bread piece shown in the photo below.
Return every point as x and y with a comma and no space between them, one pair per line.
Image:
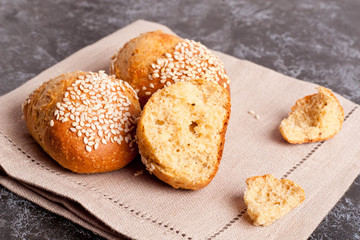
313,118
268,199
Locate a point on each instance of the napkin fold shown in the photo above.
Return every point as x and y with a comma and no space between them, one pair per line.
119,204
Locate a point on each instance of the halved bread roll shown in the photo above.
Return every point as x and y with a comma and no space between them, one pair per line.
313,118
181,132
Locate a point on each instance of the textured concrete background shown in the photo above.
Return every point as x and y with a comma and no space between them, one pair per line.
313,40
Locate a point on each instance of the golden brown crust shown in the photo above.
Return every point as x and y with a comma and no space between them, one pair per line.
321,100
65,146
133,61
136,60
149,153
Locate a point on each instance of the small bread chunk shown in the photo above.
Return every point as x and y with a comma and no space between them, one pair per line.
268,199
313,118
181,132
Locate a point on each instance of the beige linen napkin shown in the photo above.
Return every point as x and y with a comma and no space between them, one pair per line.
118,203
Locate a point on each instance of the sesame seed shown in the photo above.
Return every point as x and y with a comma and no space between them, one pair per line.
152,167
170,66
51,123
88,148
128,129
137,173
96,146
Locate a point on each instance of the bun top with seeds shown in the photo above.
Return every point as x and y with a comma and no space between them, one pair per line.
157,59
85,121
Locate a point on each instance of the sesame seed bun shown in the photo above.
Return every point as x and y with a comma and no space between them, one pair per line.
157,59
85,121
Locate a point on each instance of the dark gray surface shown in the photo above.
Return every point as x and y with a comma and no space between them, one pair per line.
317,41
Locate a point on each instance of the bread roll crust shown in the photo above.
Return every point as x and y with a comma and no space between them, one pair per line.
144,59
64,145
133,62
151,154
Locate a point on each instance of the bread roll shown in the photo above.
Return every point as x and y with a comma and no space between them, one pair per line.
85,121
313,118
157,59
181,132
269,199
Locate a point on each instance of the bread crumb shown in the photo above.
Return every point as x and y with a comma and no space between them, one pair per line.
137,173
254,114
